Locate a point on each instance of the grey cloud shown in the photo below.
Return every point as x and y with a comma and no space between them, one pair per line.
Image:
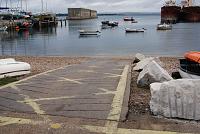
99,5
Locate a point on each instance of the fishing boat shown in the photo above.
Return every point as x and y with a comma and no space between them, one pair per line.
89,33
113,23
24,25
11,68
129,19
129,30
190,66
105,22
3,28
164,27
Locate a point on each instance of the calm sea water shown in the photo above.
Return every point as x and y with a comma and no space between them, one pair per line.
65,41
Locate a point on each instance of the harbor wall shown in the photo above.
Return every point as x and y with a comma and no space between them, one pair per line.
81,13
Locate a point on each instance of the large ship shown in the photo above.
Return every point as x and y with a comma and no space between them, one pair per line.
170,12
187,12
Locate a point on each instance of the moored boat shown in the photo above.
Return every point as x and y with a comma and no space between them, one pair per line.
24,25
113,23
3,28
105,22
129,30
129,19
164,27
89,33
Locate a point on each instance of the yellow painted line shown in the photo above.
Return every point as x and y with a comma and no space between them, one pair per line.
56,126
10,120
97,129
70,80
105,91
112,75
44,99
94,66
28,78
20,84
116,106
15,88
34,105
87,71
118,69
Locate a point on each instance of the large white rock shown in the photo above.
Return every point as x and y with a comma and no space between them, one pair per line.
151,73
139,57
176,99
140,65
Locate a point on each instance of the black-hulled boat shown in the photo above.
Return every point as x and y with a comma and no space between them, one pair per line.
190,66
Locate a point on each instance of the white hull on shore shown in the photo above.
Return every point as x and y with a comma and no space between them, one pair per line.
10,68
185,75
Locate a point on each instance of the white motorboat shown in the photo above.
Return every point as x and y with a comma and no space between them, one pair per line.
129,30
11,68
89,33
3,28
164,27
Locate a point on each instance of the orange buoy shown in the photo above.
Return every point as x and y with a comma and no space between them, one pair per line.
193,56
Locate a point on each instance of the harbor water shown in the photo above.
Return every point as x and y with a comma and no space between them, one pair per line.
65,40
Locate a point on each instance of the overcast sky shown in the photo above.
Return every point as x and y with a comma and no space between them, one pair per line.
99,5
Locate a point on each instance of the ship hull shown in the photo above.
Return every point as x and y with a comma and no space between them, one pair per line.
190,14
175,14
170,14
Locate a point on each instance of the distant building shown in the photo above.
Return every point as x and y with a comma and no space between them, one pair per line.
81,13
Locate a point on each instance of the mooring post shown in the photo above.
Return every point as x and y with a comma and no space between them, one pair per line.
61,22
40,24
65,22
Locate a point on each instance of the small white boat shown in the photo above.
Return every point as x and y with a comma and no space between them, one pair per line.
88,33
129,30
186,75
11,68
113,23
164,27
3,28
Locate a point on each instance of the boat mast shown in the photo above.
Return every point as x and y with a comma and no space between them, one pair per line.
0,3
21,4
6,3
46,6
42,5
26,5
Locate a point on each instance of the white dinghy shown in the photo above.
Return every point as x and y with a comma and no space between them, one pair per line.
89,33
10,68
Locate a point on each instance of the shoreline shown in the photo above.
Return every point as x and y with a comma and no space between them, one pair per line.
41,64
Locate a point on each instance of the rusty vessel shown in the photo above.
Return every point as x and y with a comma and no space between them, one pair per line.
187,12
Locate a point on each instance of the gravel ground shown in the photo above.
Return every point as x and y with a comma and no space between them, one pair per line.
140,117
42,64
